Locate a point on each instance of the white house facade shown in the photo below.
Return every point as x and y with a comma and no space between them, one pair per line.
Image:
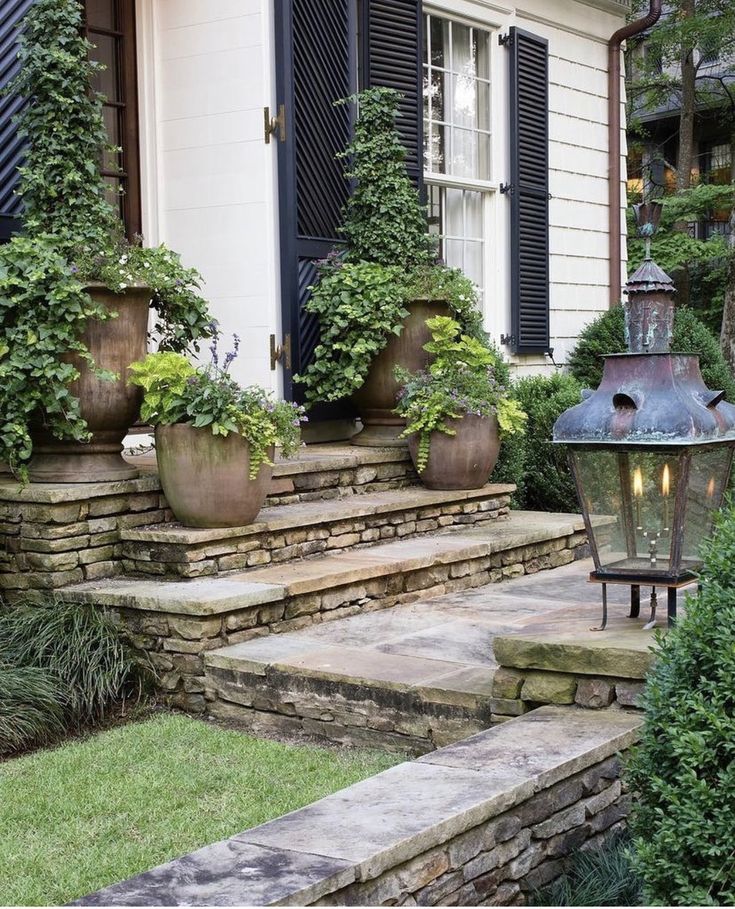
193,84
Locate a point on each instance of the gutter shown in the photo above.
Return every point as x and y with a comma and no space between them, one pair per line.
613,132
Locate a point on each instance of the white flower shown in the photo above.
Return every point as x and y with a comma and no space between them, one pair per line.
123,260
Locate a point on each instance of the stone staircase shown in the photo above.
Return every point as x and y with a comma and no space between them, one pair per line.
345,531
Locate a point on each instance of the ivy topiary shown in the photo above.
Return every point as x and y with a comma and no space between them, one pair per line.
683,771
384,220
72,236
607,335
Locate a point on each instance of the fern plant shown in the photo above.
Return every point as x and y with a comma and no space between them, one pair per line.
462,380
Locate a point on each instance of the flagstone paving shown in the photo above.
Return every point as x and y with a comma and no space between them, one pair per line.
419,675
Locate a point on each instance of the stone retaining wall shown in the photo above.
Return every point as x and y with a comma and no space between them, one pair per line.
502,861
339,483
185,557
515,692
485,821
53,536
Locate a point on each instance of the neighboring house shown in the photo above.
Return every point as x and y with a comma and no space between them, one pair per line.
653,160
504,118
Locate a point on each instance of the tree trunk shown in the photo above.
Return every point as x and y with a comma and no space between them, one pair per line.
727,332
685,156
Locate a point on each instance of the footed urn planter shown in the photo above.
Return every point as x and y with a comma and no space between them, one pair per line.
462,461
109,407
377,397
206,478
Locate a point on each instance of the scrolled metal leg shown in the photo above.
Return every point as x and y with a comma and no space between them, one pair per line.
654,603
604,611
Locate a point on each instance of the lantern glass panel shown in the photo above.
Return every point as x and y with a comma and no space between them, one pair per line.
708,474
630,497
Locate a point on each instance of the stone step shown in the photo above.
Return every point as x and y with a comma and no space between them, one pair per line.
177,621
289,532
421,675
326,471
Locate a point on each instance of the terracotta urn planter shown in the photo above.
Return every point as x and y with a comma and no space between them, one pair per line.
206,478
109,408
462,461
377,397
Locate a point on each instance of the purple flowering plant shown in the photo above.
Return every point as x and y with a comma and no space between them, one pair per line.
208,397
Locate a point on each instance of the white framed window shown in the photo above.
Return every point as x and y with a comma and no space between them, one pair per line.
458,138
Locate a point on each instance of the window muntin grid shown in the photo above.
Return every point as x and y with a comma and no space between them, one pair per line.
456,70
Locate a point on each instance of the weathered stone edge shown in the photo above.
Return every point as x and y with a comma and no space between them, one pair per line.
286,517
570,657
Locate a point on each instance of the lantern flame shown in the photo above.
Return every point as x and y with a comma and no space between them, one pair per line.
637,482
711,488
666,481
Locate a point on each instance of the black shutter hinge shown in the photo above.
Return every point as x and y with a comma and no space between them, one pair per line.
508,340
507,189
505,40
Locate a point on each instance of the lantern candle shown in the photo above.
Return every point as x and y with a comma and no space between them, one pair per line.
666,491
638,493
711,488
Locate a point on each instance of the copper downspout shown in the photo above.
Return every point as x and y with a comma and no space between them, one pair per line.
613,131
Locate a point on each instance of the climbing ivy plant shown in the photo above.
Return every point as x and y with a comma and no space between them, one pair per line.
72,235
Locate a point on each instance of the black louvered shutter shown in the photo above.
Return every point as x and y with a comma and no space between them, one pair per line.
392,57
11,147
316,66
529,191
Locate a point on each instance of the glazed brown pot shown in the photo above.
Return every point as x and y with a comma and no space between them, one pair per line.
377,397
109,408
206,478
462,461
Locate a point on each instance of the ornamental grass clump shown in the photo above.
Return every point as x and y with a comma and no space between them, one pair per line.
72,236
683,772
208,397
65,666
460,381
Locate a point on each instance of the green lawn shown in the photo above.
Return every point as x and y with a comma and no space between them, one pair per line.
79,817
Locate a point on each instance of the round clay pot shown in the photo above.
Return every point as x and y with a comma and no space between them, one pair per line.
462,461
206,478
376,399
109,408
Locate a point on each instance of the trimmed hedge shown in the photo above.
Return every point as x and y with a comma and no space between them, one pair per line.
532,461
683,772
607,335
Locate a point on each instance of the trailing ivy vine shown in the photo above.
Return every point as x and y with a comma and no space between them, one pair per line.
72,236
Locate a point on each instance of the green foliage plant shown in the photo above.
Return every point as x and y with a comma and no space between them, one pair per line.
384,220
65,666
363,291
32,706
72,237
607,335
548,483
461,380
208,397
683,771
595,877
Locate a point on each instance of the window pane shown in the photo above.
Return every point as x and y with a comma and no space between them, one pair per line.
101,13
473,262
453,253
112,125
104,51
473,215
453,220
464,153
459,98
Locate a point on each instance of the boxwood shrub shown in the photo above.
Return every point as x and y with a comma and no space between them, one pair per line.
683,771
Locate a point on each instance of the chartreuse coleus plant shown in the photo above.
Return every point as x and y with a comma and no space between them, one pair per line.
208,397
71,236
389,259
461,381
